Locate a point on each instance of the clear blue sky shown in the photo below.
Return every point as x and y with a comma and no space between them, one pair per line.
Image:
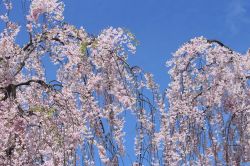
162,26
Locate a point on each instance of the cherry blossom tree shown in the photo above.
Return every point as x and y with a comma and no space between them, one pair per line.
208,105
80,114
79,117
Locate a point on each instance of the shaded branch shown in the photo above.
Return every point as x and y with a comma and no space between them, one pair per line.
220,44
10,90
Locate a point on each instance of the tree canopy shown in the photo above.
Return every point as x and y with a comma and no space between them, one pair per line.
201,119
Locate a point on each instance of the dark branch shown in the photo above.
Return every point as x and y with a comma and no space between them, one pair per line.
10,90
220,44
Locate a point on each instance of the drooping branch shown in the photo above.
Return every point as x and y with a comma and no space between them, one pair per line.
220,43
10,90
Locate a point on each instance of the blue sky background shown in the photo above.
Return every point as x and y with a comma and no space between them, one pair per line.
161,26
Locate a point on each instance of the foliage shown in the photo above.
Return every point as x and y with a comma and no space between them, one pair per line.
209,104
82,113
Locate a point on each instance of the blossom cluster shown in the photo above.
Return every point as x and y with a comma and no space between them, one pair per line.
209,104
79,116
43,122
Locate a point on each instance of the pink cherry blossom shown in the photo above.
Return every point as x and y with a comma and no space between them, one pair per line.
202,118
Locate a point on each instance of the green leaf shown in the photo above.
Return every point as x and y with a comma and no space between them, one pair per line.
83,47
